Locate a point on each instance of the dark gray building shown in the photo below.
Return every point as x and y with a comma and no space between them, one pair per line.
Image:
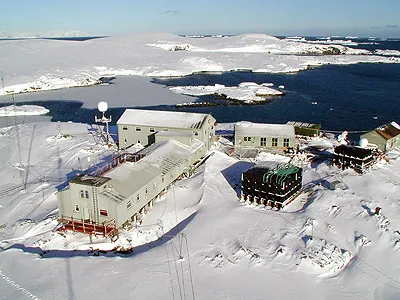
275,187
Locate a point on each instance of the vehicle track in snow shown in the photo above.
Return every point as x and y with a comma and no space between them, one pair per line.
17,286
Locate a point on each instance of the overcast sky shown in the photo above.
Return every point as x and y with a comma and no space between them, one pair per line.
285,17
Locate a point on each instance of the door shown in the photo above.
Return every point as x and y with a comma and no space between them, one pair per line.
86,213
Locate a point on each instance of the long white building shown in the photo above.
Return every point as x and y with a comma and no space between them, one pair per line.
100,203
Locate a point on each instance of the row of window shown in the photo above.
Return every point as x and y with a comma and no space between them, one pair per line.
263,141
84,194
103,212
138,129
129,204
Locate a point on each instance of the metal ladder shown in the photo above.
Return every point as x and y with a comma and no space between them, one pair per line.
96,206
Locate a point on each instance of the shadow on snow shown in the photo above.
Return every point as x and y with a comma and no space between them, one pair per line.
233,174
106,253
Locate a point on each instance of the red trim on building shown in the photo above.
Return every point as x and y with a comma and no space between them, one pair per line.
88,227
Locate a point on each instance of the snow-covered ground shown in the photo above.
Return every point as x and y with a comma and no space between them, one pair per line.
39,64
198,241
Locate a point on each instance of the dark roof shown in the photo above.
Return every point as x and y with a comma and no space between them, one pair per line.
388,131
90,180
353,151
261,170
304,125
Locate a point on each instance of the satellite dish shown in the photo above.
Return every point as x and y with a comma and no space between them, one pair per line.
363,143
102,106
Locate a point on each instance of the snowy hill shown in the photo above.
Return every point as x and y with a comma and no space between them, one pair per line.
198,241
39,64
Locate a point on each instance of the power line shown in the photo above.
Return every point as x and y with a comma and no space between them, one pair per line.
190,268
4,93
338,131
177,275
170,273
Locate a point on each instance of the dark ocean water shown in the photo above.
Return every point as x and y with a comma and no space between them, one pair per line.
352,97
355,97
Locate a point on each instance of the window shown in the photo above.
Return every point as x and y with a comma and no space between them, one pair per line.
124,127
86,194
285,142
196,133
247,138
129,205
263,142
274,142
138,141
162,179
137,198
152,130
138,129
76,208
82,194
146,191
104,212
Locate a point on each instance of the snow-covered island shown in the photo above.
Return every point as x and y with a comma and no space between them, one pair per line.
40,64
22,110
245,92
387,52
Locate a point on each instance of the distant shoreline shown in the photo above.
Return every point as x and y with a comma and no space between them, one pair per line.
62,38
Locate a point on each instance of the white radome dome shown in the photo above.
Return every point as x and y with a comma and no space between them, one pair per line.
102,106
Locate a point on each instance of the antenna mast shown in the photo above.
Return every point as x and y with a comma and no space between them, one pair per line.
4,94
103,107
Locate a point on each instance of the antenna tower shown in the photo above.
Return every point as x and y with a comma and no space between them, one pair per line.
4,94
103,107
